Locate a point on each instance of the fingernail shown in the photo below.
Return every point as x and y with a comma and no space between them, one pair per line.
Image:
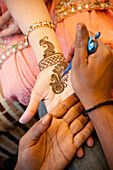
79,27
74,94
23,118
45,119
80,154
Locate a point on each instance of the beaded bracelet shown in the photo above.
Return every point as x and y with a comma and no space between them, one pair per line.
36,25
110,102
12,49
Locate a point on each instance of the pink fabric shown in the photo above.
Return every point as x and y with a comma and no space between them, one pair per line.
3,6
101,20
18,73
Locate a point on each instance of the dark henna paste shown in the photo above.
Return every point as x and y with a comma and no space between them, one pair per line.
52,58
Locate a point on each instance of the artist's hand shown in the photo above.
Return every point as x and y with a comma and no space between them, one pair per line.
59,112
92,76
8,26
52,142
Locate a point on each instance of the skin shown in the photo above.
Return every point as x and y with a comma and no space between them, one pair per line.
0,11
92,79
52,142
42,89
8,25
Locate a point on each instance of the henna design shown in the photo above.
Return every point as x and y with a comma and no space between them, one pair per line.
58,83
50,49
52,58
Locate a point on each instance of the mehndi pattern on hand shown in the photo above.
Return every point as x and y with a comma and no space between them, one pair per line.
54,58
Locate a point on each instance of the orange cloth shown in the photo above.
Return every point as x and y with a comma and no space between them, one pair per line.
18,73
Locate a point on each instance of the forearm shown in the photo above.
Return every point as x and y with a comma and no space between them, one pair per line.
28,12
102,119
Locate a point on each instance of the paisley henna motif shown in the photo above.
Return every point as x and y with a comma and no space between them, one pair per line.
51,57
50,50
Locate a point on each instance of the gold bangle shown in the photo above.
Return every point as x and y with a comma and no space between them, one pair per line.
36,25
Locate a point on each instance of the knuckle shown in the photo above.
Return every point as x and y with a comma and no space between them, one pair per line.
35,93
76,65
78,107
83,120
90,127
80,43
63,106
82,136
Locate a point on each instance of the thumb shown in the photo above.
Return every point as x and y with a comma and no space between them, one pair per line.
35,132
32,107
81,43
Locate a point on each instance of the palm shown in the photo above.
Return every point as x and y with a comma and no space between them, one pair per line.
54,147
59,145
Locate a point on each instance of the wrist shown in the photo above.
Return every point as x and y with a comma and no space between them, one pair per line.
105,103
44,42
52,60
91,102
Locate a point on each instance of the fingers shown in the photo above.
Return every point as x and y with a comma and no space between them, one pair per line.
5,18
35,132
64,106
0,11
98,40
81,137
78,124
12,29
32,107
90,141
80,153
73,112
71,52
99,51
81,42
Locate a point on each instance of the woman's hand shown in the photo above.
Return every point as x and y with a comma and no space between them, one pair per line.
52,142
43,91
8,26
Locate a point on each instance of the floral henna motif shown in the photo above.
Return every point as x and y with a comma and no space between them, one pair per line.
59,83
52,58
